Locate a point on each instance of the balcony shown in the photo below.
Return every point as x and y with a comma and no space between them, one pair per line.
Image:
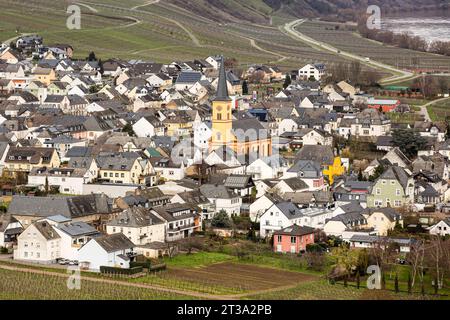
181,228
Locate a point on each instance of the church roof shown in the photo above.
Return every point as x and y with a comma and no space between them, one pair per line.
222,89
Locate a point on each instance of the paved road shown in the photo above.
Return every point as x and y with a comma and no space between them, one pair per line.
145,4
8,41
289,28
424,110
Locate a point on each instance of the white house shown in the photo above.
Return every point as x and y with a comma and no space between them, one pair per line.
279,216
73,236
312,70
266,168
441,228
139,225
222,198
39,243
202,135
10,229
148,127
260,205
109,250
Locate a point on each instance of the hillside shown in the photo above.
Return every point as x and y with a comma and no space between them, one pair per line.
260,11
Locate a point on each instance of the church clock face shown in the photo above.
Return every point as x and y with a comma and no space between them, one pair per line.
219,108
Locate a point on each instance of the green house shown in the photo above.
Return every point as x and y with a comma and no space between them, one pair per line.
394,188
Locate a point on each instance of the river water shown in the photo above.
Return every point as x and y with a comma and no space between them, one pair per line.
430,26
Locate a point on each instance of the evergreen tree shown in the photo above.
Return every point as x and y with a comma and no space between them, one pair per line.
409,283
396,283
383,281
287,81
92,56
221,220
360,175
245,87
436,285
128,128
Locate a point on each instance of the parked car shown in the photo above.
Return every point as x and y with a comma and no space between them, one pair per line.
63,261
73,262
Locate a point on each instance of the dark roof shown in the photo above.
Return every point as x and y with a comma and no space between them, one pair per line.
114,242
189,77
71,207
135,217
46,230
390,213
239,181
75,229
396,173
295,230
222,88
317,153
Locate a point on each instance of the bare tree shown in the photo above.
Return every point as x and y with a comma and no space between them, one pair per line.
415,259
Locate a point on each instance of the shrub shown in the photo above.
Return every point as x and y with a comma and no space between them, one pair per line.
120,271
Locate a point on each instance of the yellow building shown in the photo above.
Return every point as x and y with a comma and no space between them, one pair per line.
44,75
335,170
244,135
24,159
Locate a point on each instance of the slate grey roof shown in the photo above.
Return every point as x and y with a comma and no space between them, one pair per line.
189,77
295,230
239,181
390,213
222,88
76,229
396,173
316,153
296,183
5,220
352,207
194,197
46,230
114,242
118,162
171,212
71,207
213,191
249,129
135,217
350,218
289,209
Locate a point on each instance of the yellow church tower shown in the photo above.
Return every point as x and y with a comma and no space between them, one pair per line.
222,120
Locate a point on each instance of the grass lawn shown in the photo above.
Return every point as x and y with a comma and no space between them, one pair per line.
409,118
199,259
439,111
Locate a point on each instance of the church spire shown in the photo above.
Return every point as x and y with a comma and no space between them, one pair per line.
222,88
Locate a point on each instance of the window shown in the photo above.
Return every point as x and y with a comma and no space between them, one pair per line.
398,192
397,203
378,191
293,239
279,238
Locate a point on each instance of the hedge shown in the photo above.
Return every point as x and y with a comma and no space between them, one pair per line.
145,265
114,270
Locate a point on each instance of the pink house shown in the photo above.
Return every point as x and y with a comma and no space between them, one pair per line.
293,239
